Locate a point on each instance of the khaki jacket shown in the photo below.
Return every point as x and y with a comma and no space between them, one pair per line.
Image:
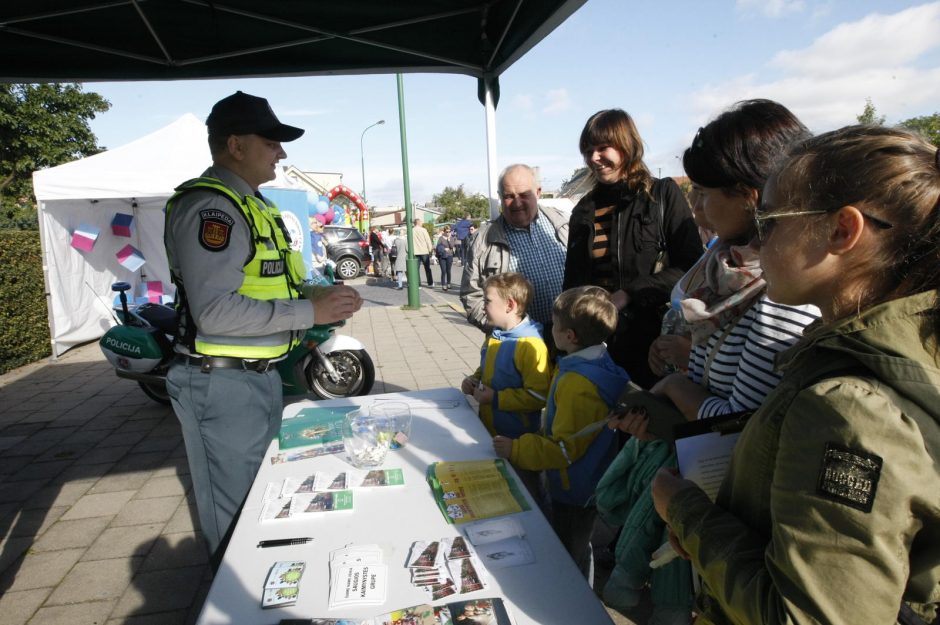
422,241
830,512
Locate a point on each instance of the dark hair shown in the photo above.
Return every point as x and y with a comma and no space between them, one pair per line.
615,127
889,173
739,149
588,311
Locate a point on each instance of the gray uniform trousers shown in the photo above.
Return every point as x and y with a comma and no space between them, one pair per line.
228,418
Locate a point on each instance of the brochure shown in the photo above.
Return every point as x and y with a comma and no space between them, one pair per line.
321,502
491,611
704,449
314,426
476,489
334,447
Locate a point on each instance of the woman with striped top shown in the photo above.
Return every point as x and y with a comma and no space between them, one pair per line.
736,333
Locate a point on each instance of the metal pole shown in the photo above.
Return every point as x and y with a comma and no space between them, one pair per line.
411,263
362,157
489,111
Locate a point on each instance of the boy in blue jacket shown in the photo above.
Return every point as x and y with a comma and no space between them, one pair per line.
574,448
514,374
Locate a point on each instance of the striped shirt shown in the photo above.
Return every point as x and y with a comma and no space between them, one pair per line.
603,270
742,372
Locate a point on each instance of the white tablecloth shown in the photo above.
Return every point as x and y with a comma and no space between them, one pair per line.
550,591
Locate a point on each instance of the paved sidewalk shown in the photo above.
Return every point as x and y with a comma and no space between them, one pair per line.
97,521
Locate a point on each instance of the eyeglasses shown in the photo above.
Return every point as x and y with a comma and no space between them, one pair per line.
764,224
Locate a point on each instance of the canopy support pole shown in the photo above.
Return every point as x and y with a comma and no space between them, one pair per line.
411,264
489,108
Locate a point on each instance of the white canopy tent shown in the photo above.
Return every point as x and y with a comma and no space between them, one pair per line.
136,179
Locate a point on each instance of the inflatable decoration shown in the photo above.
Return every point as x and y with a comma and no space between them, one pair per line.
363,219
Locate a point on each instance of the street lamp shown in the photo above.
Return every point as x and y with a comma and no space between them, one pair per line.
362,157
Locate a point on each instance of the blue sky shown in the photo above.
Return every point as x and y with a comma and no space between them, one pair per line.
672,65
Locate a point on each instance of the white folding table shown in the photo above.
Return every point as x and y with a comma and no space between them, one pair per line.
548,592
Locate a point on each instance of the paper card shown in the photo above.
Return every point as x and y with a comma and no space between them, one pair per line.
416,615
489,611
467,572
84,237
122,225
275,509
293,485
425,555
356,554
285,574
443,590
456,548
506,553
376,477
492,530
321,502
279,597
358,585
130,258
318,450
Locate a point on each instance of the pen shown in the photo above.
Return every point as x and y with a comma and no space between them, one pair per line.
283,542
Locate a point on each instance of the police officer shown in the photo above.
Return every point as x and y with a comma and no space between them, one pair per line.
242,307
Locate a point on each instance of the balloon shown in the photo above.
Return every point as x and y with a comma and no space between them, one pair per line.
322,206
321,219
329,215
339,217
312,198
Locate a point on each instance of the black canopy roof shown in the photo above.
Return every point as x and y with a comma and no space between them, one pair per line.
99,40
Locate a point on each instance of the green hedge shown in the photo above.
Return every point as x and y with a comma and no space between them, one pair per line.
24,322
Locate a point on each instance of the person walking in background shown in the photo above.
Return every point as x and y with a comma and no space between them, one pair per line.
399,266
735,334
830,510
631,234
583,391
242,306
526,238
511,383
423,248
379,253
445,256
461,231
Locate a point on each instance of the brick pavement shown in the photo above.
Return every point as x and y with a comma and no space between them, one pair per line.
97,520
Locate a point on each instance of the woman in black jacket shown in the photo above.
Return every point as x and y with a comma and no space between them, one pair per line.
631,234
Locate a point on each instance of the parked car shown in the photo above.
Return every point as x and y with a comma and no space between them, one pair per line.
348,248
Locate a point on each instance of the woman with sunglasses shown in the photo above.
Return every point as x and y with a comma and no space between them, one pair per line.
735,333
830,511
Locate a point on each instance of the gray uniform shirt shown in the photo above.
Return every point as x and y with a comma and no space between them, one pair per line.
211,278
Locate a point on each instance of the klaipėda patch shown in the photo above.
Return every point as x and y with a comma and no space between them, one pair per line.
849,476
215,228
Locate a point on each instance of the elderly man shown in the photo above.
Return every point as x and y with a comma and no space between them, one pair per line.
526,238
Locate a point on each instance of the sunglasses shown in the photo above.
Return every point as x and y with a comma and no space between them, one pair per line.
764,224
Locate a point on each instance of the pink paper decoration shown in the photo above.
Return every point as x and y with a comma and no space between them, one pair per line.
152,291
130,258
84,237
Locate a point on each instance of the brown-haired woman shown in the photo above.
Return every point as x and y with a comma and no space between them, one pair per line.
631,234
830,512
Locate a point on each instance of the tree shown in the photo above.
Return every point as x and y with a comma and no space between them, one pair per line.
870,115
926,125
40,126
457,204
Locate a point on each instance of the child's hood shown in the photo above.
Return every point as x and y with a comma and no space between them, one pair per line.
609,377
526,328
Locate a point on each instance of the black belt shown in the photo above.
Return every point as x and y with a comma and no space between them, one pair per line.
208,363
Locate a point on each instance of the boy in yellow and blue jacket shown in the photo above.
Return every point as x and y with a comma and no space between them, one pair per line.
575,448
512,381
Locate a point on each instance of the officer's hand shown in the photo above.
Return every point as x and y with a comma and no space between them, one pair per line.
335,303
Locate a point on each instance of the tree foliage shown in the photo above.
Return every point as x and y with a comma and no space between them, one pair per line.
40,126
457,204
870,115
926,125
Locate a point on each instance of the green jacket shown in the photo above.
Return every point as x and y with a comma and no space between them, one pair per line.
830,512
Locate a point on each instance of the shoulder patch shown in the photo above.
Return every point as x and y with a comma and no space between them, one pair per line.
849,476
215,228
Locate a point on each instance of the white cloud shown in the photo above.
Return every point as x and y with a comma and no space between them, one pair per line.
772,8
874,41
826,83
558,101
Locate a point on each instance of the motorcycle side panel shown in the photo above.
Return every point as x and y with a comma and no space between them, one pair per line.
339,342
133,349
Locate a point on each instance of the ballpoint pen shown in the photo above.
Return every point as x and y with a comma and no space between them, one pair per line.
283,542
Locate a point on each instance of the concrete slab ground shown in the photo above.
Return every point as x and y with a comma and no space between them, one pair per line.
97,519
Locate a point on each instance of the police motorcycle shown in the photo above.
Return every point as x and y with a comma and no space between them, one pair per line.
324,363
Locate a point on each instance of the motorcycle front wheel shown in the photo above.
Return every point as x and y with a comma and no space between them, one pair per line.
156,392
355,372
